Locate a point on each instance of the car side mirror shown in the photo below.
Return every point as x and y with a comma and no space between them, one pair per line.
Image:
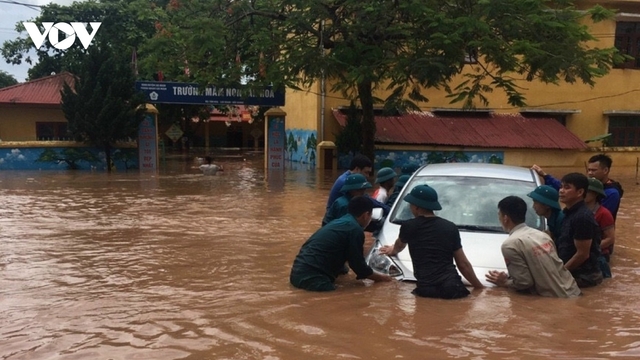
377,214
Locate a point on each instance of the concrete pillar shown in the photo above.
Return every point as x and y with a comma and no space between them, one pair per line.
275,139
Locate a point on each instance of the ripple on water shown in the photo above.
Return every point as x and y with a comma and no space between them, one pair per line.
181,266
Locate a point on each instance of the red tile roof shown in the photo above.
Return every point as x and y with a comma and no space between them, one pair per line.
43,91
491,131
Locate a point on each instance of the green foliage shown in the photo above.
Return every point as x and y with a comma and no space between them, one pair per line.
349,139
102,107
310,149
363,45
360,46
125,25
292,144
7,79
604,139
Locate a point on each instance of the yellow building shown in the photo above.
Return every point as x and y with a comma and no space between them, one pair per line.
33,131
612,106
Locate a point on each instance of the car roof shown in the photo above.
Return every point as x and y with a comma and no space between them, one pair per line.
484,170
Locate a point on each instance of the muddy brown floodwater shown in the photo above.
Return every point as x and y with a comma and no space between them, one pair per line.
183,266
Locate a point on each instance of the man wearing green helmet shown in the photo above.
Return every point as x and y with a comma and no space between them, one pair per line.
386,178
545,203
402,180
354,185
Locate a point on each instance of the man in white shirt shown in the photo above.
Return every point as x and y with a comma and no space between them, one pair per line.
208,168
531,257
385,179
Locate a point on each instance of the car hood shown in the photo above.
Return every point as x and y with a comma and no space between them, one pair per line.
481,248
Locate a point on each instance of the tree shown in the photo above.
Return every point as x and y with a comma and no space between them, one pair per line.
102,106
310,149
6,79
349,139
400,46
124,24
292,145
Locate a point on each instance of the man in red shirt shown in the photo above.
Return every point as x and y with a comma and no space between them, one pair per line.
605,221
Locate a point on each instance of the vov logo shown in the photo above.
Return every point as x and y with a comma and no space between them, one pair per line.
71,30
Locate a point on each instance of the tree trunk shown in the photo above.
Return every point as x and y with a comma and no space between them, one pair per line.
368,120
107,154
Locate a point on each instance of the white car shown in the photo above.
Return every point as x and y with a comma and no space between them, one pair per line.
469,194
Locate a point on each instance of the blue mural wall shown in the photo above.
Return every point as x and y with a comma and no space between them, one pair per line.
301,146
66,158
396,159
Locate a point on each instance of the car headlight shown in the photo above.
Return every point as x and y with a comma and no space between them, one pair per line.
382,263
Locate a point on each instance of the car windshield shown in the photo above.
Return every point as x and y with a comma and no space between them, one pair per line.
471,202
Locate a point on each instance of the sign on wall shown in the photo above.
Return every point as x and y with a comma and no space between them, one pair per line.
275,143
148,144
190,93
174,132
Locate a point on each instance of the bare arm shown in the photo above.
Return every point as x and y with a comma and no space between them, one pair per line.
390,250
538,170
466,269
581,255
608,237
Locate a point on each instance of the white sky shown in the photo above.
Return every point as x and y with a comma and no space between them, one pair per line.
10,15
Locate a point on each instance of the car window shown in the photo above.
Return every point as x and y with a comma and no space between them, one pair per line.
470,201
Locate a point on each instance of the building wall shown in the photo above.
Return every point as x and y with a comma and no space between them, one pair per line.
395,156
63,155
18,122
303,124
618,90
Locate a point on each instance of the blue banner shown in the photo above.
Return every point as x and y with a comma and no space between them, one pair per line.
189,93
275,143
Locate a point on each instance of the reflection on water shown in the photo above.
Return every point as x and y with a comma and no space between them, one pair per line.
184,266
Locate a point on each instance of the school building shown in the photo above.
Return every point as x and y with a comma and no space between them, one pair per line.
560,126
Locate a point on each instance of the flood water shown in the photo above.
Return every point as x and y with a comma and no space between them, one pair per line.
184,266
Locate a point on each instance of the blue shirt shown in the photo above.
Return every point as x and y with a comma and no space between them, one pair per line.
335,189
611,199
553,182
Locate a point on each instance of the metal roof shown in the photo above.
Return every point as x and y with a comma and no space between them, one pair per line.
489,131
483,170
42,91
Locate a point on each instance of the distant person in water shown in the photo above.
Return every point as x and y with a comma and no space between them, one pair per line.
209,168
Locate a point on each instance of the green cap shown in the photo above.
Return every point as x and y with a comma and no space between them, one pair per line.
596,186
546,195
384,174
423,196
355,182
402,180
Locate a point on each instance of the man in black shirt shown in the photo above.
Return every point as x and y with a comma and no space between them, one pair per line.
433,243
579,240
